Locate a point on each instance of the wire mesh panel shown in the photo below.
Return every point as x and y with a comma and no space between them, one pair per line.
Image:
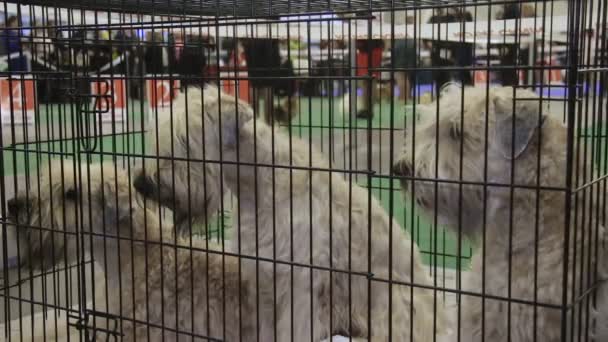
282,170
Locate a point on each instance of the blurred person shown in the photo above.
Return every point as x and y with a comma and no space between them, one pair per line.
60,52
156,56
512,55
42,49
270,77
40,42
450,54
405,57
463,52
369,55
514,10
11,41
333,70
191,61
11,38
125,43
99,50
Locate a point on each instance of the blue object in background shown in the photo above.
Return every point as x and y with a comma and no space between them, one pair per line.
561,91
421,89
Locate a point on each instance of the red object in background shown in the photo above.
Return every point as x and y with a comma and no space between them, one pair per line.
211,71
363,59
21,92
485,76
109,97
550,75
161,91
240,66
480,77
363,62
555,75
522,77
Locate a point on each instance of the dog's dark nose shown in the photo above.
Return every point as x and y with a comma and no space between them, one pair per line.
14,206
402,168
144,185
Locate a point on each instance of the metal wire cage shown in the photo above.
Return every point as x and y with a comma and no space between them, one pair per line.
305,227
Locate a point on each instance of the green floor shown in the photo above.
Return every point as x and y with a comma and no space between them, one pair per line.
321,118
316,121
54,123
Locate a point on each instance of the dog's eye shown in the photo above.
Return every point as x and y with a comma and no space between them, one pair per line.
71,194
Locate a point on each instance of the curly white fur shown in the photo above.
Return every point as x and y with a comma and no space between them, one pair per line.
160,291
294,211
523,253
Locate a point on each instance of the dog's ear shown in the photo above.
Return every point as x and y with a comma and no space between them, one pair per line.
515,126
233,122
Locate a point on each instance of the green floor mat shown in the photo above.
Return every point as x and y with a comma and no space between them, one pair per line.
27,156
440,246
321,117
318,117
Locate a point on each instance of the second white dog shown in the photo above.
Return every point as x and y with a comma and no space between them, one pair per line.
323,246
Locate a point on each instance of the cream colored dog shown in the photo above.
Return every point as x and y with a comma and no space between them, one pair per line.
494,169
325,247
151,283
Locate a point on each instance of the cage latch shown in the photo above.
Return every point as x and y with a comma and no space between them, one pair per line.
106,330
89,110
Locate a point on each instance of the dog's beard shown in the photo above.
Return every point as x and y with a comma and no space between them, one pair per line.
186,220
448,205
41,249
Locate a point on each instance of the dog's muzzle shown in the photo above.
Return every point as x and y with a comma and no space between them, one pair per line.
17,206
144,185
402,169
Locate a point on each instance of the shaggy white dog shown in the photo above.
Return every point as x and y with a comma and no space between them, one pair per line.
160,286
500,165
323,245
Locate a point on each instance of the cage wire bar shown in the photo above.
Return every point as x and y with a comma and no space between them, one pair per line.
92,82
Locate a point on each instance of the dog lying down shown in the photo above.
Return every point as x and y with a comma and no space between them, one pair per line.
508,156
145,262
151,283
293,209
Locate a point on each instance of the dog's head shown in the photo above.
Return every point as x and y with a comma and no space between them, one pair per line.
188,147
470,138
91,199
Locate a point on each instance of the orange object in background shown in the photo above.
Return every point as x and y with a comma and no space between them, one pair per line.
19,96
480,77
109,97
363,60
549,75
161,91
